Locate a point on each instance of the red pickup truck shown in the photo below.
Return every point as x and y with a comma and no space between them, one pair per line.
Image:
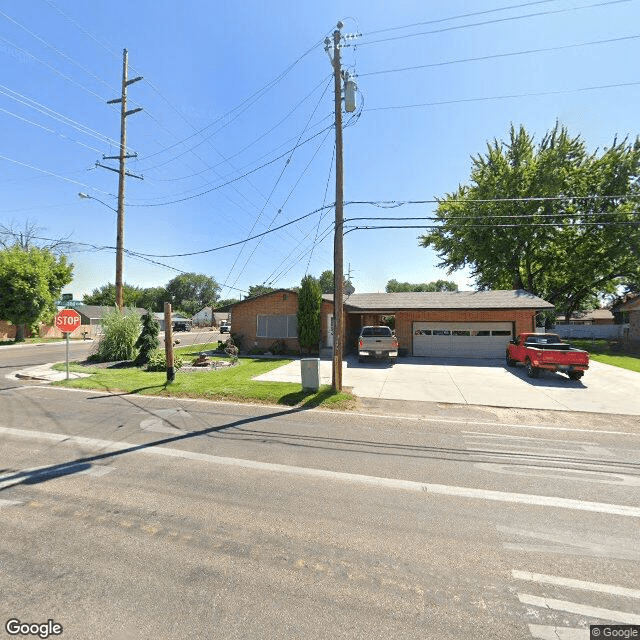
546,351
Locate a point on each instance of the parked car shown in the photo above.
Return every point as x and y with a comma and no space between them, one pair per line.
547,351
377,342
181,326
225,328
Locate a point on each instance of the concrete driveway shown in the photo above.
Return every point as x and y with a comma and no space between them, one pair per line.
486,382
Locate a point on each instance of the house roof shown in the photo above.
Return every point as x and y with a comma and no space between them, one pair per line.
630,305
594,314
96,312
449,300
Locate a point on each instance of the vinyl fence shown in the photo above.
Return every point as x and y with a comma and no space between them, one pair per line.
596,331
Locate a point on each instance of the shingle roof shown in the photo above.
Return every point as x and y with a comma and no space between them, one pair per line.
630,305
510,299
96,311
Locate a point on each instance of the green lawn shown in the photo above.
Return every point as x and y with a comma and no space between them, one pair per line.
234,384
602,351
7,343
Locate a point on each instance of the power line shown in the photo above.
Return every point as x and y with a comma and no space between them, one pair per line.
458,17
55,175
499,55
266,164
257,95
505,97
234,244
495,21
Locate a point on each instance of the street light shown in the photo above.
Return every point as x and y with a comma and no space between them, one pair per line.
86,196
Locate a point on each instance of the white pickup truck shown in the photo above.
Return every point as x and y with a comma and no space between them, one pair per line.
377,342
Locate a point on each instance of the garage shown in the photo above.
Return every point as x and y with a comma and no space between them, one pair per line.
461,339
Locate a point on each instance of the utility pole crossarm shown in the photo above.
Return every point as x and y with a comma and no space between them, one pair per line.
121,171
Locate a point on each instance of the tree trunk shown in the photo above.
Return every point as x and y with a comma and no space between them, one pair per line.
21,331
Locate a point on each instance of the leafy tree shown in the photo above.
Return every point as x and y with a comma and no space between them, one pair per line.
258,290
393,286
120,333
147,341
105,296
225,303
309,304
581,244
30,283
326,282
189,292
152,298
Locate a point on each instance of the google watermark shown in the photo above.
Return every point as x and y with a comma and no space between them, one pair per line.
15,627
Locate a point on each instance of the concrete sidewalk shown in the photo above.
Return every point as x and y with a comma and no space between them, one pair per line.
43,373
485,382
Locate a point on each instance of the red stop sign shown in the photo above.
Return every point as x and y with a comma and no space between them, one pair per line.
68,320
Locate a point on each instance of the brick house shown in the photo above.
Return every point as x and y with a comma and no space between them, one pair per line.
632,309
464,323
271,317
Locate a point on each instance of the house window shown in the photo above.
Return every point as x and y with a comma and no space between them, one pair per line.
277,327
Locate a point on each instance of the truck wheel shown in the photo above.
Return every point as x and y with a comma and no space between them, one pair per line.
532,372
575,375
510,362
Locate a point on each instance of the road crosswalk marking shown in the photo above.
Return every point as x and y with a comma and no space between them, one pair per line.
599,613
576,584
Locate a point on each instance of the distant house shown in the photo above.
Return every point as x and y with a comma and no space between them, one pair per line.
93,314
203,317
632,309
175,317
595,316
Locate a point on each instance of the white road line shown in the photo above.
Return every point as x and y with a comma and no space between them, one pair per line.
9,503
541,578
542,632
620,617
388,483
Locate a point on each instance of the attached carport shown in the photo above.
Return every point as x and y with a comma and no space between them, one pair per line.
472,324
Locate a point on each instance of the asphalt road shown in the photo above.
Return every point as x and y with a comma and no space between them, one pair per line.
157,518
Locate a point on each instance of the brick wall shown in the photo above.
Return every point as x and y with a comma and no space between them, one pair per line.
280,303
634,327
524,321
7,330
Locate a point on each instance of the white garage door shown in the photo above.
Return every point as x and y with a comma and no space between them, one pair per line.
461,339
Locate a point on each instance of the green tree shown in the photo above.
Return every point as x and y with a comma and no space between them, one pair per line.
393,286
30,283
225,303
258,290
190,292
153,298
309,304
147,341
105,296
326,282
582,243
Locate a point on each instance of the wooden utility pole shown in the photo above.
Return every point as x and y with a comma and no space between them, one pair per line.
121,174
338,266
168,342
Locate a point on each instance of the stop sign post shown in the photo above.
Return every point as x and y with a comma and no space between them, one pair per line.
68,320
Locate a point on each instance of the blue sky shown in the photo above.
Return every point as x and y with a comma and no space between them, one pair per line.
568,60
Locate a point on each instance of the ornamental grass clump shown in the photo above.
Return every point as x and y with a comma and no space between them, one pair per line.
120,333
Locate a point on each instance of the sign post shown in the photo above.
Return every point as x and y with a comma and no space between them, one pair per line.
68,320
